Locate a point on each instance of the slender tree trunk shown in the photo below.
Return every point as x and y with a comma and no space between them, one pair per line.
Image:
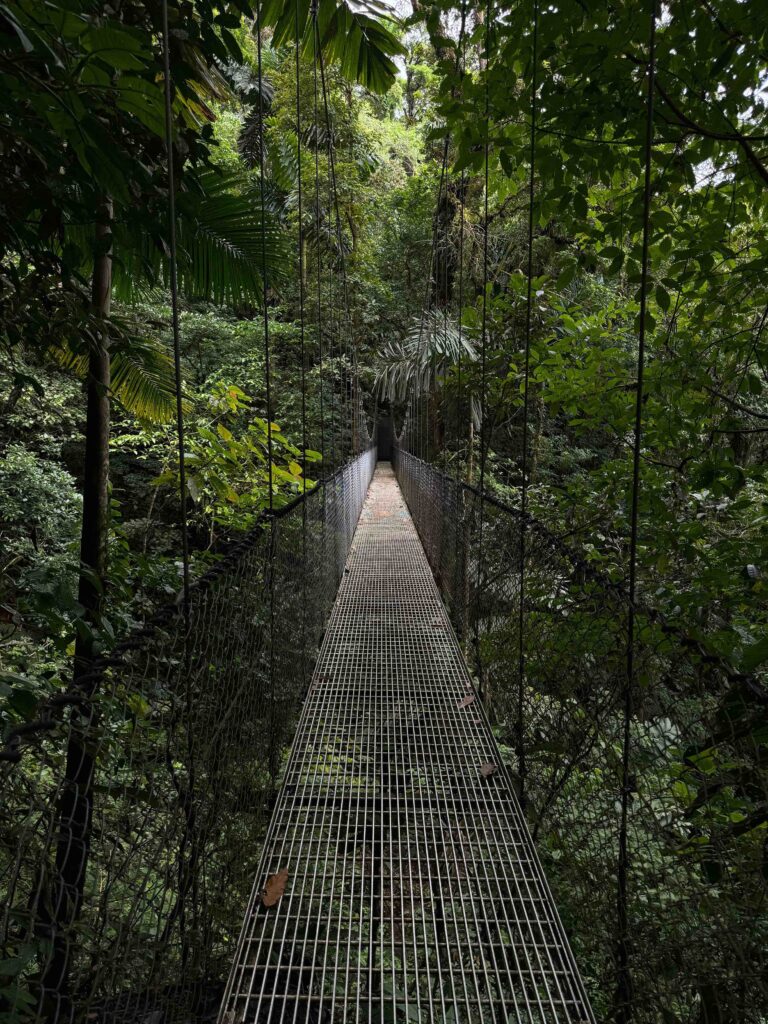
479,16
410,95
471,446
75,806
354,234
93,540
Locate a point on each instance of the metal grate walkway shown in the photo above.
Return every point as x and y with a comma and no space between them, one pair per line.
413,890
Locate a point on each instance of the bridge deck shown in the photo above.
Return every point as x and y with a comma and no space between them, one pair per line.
413,890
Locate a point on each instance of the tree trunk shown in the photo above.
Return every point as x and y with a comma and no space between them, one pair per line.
410,95
75,806
354,233
482,61
93,539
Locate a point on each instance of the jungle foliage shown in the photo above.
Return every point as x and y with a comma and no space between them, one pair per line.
415,110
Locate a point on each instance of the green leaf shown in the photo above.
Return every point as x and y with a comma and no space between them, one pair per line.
754,655
144,100
356,36
116,46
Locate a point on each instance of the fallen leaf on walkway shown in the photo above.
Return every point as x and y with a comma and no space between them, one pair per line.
274,888
487,770
467,700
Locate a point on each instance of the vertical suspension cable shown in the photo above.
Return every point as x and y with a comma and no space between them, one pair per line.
331,335
185,866
520,724
483,346
484,313
463,429
302,347
317,232
459,70
459,383
300,213
439,365
174,282
273,526
335,197
431,283
331,310
624,980
462,57
265,304
324,547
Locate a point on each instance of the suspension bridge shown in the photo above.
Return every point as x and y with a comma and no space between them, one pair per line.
388,871
331,782
409,887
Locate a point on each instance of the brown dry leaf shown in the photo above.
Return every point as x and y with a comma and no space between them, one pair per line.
469,699
274,888
487,770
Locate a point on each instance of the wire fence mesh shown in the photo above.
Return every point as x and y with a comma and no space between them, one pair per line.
179,744
697,836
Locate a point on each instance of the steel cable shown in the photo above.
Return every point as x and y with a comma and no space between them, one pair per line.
520,725
174,283
302,341
484,438
624,980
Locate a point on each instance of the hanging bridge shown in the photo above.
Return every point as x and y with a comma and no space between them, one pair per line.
394,868
385,762
410,887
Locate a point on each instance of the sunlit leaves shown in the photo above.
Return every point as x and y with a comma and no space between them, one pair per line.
355,36
229,472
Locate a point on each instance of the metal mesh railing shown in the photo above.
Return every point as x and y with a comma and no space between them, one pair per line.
182,744
697,915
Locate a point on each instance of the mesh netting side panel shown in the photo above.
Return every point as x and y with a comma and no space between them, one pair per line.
188,732
697,908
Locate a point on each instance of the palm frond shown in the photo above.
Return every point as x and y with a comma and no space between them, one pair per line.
253,131
142,376
227,241
220,255
355,35
414,363
283,159
319,135
361,44
250,138
143,381
246,82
